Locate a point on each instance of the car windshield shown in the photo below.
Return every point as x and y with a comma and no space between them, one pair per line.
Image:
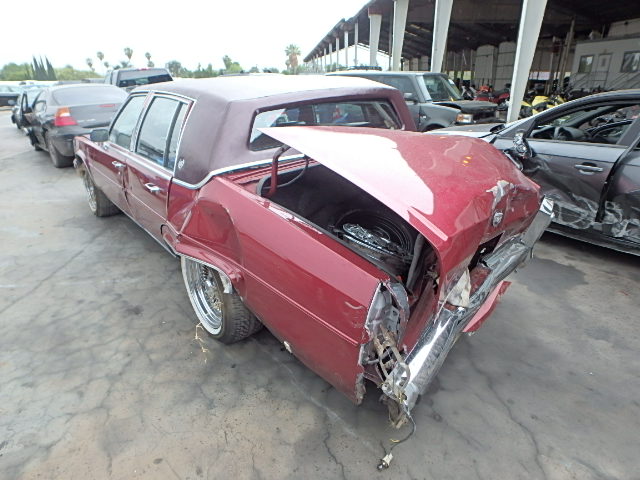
441,88
89,95
370,113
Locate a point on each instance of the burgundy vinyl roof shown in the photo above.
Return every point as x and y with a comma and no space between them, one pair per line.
216,135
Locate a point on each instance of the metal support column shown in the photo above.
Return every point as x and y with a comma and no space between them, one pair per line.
355,45
375,22
400,8
346,49
441,19
330,56
528,33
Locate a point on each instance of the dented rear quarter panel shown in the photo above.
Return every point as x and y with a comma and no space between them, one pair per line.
304,286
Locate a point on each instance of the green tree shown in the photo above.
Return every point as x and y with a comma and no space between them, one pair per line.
174,67
90,64
69,73
149,62
230,66
293,52
106,65
16,72
204,72
129,53
51,73
100,56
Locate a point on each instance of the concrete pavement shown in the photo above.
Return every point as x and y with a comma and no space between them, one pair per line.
103,373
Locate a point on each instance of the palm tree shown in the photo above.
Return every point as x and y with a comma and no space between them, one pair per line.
106,65
90,63
128,52
292,51
149,62
100,56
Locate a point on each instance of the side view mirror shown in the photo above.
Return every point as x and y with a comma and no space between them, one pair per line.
11,103
410,97
99,135
521,148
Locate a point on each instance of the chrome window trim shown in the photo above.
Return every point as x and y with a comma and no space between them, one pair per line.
233,168
190,106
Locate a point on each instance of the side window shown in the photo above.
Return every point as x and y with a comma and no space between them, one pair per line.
155,130
123,127
401,83
602,124
176,130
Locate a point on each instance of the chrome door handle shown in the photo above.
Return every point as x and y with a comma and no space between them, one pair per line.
152,188
588,168
118,165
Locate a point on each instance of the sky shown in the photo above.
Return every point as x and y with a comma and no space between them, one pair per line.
251,32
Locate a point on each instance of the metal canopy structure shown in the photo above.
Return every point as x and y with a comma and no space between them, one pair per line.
474,24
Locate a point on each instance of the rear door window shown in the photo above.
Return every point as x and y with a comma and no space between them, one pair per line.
123,127
154,138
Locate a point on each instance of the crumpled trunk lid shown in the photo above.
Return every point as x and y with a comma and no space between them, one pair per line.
457,191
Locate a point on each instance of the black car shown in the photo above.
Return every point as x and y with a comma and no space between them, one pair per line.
421,89
8,94
60,113
585,154
25,100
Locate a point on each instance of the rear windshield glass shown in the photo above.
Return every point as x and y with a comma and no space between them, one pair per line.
370,113
89,95
144,80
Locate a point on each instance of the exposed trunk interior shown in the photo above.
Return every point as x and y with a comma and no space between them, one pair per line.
353,217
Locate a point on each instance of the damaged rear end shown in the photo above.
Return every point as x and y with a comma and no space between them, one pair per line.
472,218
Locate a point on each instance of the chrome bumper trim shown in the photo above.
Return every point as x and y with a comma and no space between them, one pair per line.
438,338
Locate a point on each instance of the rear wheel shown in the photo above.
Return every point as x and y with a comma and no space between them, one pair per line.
222,314
99,204
59,161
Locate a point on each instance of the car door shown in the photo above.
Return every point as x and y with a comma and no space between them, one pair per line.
109,159
569,163
620,208
37,118
150,167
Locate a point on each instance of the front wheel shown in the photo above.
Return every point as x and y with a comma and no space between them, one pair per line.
221,314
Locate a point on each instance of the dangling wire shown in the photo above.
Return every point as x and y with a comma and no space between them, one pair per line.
386,460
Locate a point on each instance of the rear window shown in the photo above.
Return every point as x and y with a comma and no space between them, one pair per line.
370,113
89,95
134,78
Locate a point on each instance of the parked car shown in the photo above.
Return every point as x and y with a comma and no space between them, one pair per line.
585,154
59,113
425,90
8,94
366,251
25,100
129,78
